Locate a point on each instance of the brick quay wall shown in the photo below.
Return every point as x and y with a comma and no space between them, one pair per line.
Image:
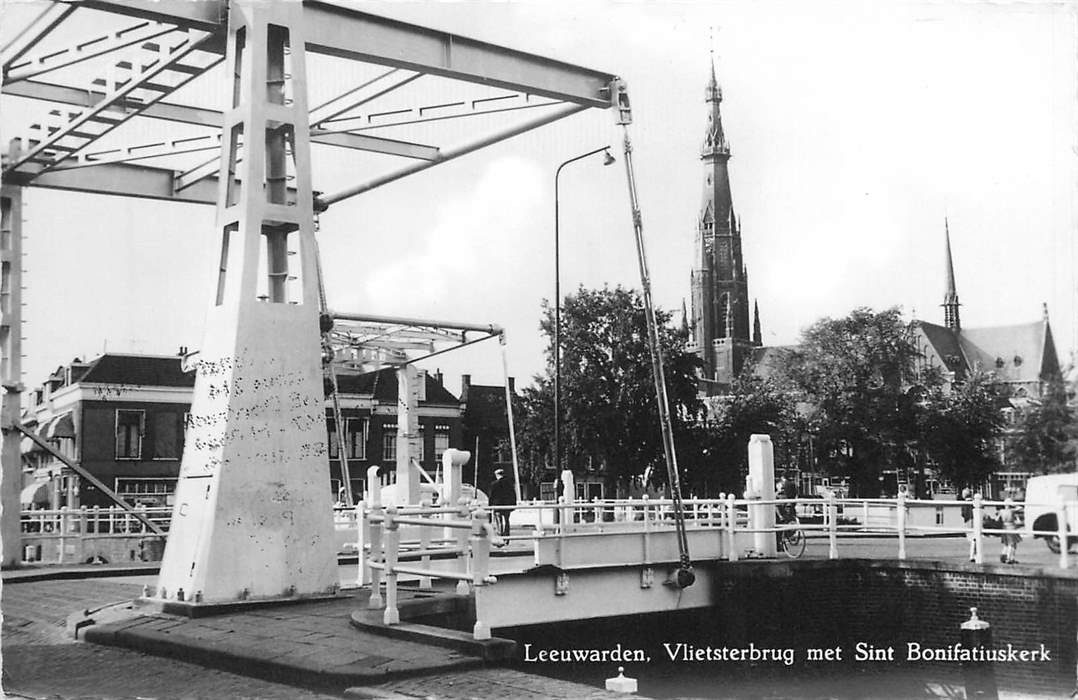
883,604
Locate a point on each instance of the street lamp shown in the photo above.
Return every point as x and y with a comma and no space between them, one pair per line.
607,160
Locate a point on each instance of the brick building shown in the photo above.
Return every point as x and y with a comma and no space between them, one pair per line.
122,418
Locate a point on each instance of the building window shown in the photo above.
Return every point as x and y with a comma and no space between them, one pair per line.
356,430
441,443
334,452
147,492
129,434
389,443
166,436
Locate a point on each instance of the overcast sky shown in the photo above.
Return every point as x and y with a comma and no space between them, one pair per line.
855,128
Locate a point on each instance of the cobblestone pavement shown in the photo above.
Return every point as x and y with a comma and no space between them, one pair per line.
42,661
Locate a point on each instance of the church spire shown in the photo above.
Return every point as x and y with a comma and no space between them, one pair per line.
757,336
950,297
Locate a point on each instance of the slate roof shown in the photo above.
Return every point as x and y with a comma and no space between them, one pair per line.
1016,353
138,370
383,385
946,346
1022,353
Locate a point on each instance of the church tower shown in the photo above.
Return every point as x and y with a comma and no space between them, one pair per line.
720,296
950,297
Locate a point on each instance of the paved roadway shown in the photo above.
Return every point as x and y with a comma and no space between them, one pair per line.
1031,552
40,661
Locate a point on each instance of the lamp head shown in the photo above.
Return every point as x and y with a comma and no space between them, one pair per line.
608,158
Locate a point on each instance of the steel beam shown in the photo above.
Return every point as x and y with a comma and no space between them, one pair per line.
351,34
44,23
130,180
565,111
11,286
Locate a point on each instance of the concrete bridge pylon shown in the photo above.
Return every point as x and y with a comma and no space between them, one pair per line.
253,517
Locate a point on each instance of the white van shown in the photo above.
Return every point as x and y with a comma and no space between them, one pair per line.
1042,500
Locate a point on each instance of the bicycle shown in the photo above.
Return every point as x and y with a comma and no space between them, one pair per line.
792,542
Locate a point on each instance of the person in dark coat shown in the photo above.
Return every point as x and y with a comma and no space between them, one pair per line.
502,493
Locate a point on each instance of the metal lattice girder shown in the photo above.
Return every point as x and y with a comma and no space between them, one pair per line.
347,33
44,23
51,149
85,50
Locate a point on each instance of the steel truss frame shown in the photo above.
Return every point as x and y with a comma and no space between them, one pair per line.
175,42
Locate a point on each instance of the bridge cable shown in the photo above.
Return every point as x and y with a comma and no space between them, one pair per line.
685,575
325,326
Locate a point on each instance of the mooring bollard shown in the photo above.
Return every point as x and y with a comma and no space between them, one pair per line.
979,676
621,684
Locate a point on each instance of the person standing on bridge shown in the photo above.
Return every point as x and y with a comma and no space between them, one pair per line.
1010,538
967,521
503,495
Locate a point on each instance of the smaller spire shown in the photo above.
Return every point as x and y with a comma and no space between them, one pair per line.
757,336
950,296
684,317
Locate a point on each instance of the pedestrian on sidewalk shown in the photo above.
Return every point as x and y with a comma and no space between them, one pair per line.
1011,521
503,495
967,521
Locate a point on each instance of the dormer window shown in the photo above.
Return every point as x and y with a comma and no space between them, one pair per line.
1017,360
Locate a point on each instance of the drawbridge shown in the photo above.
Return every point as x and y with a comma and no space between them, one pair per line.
214,103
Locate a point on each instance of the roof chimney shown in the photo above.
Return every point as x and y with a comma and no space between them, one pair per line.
439,377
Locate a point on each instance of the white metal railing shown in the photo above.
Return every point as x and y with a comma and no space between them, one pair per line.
75,535
830,518
465,533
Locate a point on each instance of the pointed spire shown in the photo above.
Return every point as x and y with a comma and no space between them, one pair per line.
1045,305
757,336
684,318
950,297
715,139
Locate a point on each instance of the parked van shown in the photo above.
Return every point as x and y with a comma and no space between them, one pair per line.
1042,501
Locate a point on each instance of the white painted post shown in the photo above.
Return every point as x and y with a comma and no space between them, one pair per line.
424,544
363,570
978,527
407,490
453,461
1061,524
762,481
392,614
59,528
864,515
832,526
900,517
480,546
568,496
731,526
374,507
464,557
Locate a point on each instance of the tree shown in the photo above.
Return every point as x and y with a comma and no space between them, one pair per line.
1047,437
609,410
856,372
717,450
961,429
